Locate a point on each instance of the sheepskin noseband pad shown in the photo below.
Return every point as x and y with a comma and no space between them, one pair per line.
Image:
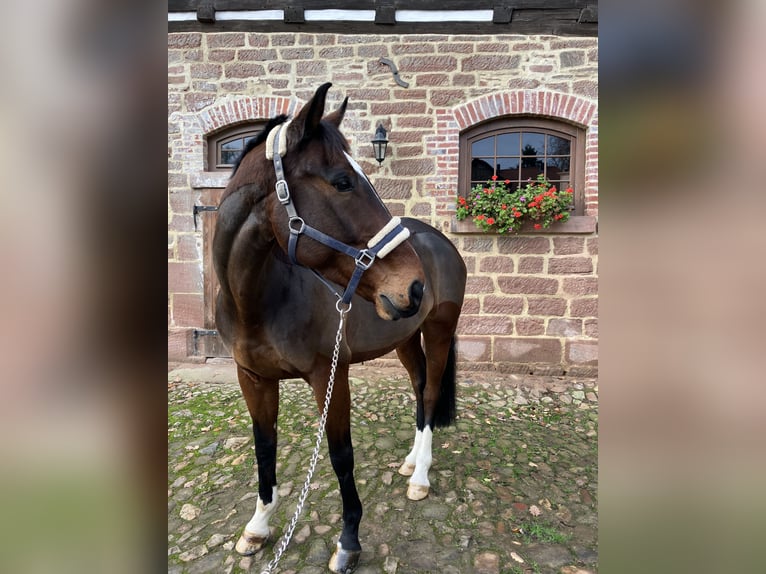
403,234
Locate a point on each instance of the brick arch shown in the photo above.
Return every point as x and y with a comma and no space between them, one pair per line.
444,145
241,109
568,107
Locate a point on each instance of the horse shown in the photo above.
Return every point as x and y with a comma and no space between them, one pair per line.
298,219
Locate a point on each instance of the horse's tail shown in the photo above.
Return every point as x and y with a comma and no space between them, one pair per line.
445,406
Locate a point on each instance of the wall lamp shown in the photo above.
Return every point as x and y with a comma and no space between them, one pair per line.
379,144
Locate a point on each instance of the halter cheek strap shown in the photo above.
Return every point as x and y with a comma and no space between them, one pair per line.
380,245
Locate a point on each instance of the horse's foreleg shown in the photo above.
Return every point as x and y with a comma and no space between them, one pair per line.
338,431
262,398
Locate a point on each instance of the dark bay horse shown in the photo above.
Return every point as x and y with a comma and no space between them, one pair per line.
277,315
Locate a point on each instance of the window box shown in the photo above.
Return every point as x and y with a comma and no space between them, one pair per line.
575,224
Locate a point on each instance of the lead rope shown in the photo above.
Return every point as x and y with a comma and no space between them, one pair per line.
342,310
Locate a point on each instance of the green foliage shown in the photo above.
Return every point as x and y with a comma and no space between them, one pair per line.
494,207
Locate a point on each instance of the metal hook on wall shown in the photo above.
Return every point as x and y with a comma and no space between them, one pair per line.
395,72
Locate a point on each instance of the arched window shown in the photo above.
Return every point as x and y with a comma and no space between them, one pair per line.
520,148
224,147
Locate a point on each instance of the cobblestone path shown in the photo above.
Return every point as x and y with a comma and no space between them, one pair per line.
513,482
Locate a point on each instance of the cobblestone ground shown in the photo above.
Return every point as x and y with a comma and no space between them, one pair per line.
513,482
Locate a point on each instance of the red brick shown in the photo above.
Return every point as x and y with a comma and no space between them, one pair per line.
521,244
244,70
479,285
179,344
584,307
580,286
296,53
184,278
397,108
529,326
188,310
496,264
494,304
490,62
527,350
257,40
474,349
535,285
414,64
413,48
187,248
185,40
222,55
258,55
412,167
195,101
546,306
569,265
593,245
568,245
332,52
225,40
591,328
311,68
481,325
471,306
582,352
463,80
531,265
565,327
433,80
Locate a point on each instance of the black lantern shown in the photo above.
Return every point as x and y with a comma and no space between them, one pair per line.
379,144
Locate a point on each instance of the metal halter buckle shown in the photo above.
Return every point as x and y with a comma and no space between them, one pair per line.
283,192
365,259
301,225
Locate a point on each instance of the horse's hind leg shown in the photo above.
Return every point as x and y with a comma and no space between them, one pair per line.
262,398
433,378
411,355
338,432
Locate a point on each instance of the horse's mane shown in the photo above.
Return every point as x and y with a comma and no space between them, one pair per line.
259,139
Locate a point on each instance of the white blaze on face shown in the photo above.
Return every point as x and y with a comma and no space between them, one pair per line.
259,523
358,169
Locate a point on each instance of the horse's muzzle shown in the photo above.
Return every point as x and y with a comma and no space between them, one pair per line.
416,298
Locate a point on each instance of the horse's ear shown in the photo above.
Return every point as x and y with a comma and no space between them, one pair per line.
336,117
307,121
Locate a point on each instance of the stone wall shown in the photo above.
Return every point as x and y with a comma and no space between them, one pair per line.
532,299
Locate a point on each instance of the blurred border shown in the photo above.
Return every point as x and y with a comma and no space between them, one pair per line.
83,413
681,283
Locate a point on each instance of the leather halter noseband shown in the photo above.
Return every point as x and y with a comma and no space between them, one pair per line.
381,244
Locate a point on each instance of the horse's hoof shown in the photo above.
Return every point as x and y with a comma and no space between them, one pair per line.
417,491
407,469
344,561
249,543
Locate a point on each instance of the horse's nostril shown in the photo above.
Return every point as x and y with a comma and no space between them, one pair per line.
416,293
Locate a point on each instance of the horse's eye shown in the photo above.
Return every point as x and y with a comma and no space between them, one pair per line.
343,184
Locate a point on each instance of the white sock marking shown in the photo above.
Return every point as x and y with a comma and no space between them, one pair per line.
423,458
259,523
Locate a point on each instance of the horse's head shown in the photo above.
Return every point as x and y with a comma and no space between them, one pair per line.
332,194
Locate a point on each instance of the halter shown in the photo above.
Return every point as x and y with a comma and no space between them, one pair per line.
381,244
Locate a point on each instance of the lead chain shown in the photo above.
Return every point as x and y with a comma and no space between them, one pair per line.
342,310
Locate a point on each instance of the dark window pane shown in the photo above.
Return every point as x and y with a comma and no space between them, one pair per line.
557,146
508,144
232,145
248,139
229,157
482,168
557,165
508,168
532,143
531,172
484,147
